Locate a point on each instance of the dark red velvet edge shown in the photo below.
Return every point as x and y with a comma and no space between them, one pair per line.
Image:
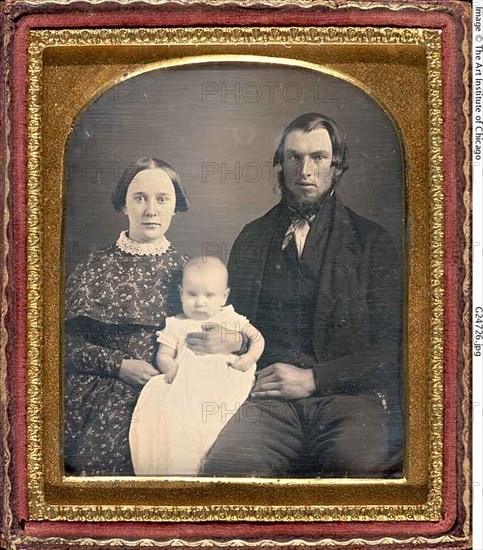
3,521
197,15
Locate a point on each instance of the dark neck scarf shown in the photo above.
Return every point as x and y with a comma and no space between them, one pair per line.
298,219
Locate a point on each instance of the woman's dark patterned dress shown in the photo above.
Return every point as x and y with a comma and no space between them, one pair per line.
115,303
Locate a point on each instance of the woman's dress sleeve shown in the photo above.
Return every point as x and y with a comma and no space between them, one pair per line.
84,350
85,357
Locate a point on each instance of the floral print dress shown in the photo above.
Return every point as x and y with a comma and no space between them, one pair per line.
116,300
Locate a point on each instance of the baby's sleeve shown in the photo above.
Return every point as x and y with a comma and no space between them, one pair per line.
170,335
235,321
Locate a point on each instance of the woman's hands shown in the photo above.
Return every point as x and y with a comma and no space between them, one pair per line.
136,372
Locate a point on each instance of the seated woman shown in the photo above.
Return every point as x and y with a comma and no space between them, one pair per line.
116,300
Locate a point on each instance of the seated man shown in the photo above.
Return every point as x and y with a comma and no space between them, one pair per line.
323,285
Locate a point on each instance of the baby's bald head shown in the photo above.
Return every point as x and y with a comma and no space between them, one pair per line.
207,265
204,289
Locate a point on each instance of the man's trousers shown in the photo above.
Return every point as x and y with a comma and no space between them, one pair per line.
333,436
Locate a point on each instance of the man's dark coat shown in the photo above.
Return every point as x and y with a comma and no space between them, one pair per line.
358,316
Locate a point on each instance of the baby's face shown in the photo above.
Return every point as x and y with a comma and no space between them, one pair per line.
203,293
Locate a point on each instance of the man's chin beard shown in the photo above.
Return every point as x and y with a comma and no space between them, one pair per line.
301,203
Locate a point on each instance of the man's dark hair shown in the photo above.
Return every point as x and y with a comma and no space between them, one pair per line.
118,197
312,121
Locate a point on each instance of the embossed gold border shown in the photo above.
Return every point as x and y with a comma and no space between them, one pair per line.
39,507
396,5
239,543
6,520
18,541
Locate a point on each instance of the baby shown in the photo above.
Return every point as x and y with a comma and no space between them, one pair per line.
180,414
204,292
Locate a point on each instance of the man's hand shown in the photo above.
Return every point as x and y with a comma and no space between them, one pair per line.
214,340
284,381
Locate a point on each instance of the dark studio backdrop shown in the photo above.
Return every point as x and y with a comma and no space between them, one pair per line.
218,125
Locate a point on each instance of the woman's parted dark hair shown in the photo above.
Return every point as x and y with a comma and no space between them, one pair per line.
118,197
312,121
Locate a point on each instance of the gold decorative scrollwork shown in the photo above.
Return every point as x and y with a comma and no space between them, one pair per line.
431,41
39,509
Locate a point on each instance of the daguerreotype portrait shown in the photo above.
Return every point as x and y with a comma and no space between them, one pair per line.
240,238
219,196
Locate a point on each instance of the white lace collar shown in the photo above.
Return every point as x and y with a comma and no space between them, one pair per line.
129,246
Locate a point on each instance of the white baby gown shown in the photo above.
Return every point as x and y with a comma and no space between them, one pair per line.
174,425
